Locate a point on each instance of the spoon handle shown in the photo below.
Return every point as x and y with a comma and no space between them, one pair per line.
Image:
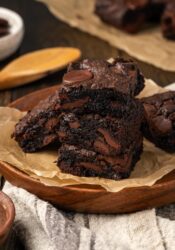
11,81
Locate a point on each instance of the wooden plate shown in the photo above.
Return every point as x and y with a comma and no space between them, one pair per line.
87,198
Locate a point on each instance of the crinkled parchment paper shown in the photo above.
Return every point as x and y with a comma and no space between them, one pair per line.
148,45
153,165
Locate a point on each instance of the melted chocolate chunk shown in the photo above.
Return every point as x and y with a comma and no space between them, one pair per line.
122,76
77,76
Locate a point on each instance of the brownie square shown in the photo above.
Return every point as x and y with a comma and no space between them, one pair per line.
126,15
159,123
168,21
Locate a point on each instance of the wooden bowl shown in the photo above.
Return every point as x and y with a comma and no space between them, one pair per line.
88,198
7,215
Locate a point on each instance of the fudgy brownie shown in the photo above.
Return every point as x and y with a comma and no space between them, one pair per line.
38,128
120,75
127,15
83,162
94,111
131,16
100,146
168,21
159,124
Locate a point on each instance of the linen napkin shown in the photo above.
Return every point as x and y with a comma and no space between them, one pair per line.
40,226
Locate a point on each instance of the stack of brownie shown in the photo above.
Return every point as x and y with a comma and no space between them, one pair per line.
94,118
133,15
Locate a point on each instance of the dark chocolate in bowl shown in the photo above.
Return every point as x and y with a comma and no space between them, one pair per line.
7,215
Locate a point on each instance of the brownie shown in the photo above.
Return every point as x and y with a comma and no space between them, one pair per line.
159,123
133,16
127,15
155,10
38,128
168,21
109,132
120,75
100,146
93,112
83,162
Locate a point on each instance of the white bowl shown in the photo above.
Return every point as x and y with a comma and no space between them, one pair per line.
11,42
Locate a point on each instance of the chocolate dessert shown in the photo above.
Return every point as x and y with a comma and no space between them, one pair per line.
91,86
168,21
132,16
127,15
93,113
100,146
159,124
155,10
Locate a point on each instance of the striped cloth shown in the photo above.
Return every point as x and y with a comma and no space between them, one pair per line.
40,226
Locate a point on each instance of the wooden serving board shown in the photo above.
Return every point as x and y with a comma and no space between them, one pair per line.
88,198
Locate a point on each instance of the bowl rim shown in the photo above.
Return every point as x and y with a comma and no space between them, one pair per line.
4,229
19,27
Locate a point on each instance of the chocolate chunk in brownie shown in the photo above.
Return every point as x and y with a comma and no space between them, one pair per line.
104,146
159,124
127,15
83,162
105,134
38,127
168,21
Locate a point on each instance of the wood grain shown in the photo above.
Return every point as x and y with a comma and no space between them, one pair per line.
87,198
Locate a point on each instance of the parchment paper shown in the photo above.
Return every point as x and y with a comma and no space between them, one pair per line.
148,46
153,165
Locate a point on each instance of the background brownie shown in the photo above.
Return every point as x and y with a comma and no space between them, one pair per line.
127,15
132,16
168,21
159,125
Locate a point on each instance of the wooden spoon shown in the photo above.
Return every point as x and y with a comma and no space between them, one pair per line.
35,65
